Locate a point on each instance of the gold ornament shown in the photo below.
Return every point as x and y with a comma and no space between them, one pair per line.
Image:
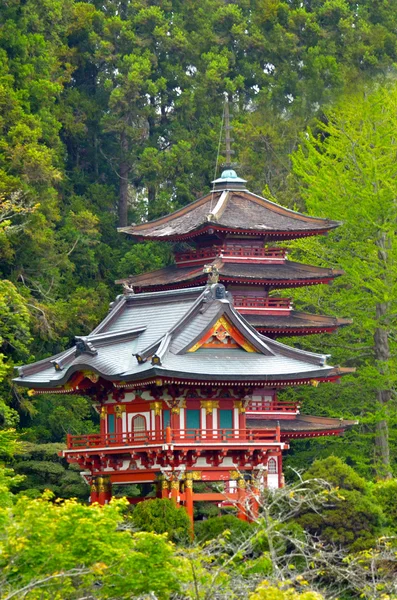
157,407
241,484
234,475
189,484
239,405
209,405
196,475
175,485
103,412
119,409
164,484
91,376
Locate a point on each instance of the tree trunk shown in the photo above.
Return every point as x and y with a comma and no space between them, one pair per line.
124,170
382,355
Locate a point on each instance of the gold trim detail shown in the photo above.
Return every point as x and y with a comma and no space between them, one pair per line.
241,484
239,405
119,409
196,475
157,407
189,484
103,413
91,376
234,475
209,405
175,485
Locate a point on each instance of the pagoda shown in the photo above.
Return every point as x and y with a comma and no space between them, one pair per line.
236,233
186,390
180,372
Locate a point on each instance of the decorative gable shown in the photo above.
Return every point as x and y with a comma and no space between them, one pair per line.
223,335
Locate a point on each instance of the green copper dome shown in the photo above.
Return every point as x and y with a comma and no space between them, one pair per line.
229,179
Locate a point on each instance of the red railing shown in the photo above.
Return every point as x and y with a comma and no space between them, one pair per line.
187,436
230,251
198,255
260,302
254,251
272,406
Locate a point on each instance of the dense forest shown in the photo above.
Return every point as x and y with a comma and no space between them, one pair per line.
111,113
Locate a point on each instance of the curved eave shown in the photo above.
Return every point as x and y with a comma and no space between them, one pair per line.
156,376
304,330
214,228
285,437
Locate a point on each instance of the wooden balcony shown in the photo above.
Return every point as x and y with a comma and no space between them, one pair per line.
230,253
197,437
276,406
262,305
253,254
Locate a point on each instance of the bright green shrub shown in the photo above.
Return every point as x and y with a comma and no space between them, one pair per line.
161,515
214,527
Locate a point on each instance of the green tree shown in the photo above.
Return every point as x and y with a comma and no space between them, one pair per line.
346,172
352,520
57,548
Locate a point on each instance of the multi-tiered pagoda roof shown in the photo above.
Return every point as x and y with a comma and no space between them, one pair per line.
233,232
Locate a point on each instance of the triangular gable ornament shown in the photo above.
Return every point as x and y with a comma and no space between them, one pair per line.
223,335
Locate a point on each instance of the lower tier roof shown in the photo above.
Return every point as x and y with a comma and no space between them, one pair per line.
302,426
284,275
295,323
163,335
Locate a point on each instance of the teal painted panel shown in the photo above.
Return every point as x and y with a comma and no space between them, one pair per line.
192,418
225,419
111,424
166,418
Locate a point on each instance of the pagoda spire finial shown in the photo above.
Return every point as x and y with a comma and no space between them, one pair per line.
228,139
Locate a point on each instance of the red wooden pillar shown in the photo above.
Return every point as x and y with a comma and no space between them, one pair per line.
209,423
254,500
164,489
93,491
175,421
189,500
157,408
175,491
104,490
280,470
241,496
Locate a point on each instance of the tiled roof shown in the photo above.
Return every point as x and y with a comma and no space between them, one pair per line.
231,210
270,274
302,423
149,335
295,320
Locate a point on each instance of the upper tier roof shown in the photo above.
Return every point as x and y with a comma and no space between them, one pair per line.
231,210
158,335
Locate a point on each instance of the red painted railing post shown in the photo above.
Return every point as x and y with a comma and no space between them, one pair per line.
168,435
68,440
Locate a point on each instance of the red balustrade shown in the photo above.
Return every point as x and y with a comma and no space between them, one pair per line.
254,251
261,302
238,253
272,406
186,436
